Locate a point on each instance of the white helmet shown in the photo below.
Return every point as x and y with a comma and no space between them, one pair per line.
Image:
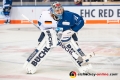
56,6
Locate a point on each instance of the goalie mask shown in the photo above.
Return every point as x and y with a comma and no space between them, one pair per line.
57,10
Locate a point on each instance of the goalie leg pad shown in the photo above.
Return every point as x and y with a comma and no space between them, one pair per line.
80,53
51,38
76,59
32,64
41,52
68,48
78,50
74,36
66,38
36,58
42,35
75,53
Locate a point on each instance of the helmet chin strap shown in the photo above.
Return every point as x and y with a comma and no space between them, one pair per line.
59,16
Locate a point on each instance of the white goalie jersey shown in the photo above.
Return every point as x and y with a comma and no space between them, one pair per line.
46,21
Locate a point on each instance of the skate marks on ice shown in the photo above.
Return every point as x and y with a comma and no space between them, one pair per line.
18,52
14,53
56,64
25,29
107,55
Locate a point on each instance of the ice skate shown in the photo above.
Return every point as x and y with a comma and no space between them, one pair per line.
6,22
85,68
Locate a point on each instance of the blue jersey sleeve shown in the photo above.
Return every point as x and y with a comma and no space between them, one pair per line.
71,20
11,2
8,2
78,22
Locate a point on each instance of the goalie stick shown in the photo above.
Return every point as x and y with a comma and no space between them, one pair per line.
29,20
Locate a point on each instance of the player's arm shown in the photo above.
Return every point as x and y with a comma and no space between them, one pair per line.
78,22
40,23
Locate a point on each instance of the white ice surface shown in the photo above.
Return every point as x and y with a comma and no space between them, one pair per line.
17,42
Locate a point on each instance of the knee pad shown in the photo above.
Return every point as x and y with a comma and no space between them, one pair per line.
42,35
74,36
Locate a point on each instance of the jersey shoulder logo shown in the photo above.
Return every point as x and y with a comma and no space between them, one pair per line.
75,17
